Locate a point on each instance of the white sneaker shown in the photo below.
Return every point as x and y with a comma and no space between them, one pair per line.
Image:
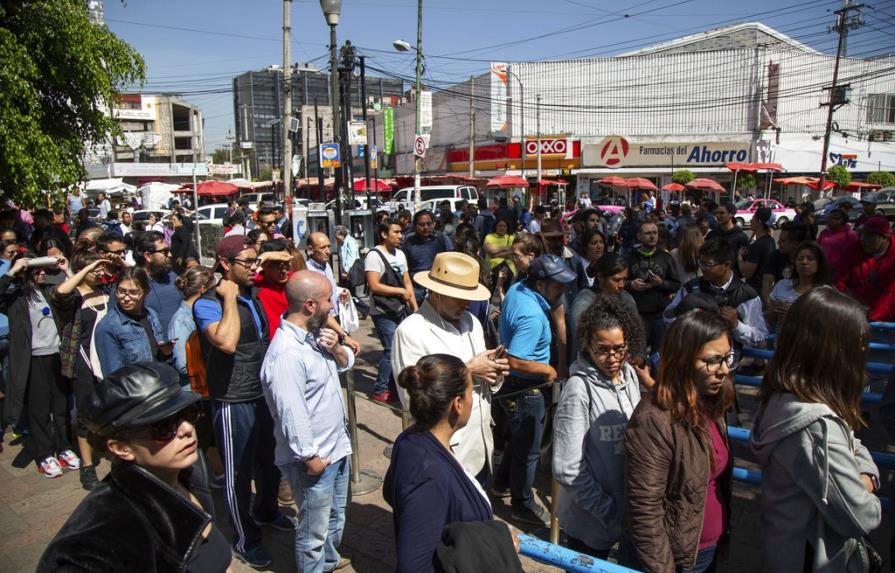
50,468
69,460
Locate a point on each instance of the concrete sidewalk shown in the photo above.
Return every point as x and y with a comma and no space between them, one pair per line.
32,508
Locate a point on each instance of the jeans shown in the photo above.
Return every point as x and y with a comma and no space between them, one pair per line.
705,561
244,434
525,417
385,330
321,504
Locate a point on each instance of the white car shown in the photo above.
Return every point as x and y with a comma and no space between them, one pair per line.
434,193
212,214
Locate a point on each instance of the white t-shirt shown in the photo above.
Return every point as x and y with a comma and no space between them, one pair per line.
783,291
398,261
534,226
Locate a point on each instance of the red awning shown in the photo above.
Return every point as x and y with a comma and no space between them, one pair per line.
705,185
211,189
507,181
640,183
673,187
613,180
860,185
545,182
376,185
812,182
753,167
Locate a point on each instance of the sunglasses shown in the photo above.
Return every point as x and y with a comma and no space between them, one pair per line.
166,429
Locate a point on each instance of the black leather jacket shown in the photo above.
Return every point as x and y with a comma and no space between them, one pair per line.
132,522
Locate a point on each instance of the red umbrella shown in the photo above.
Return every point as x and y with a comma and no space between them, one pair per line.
211,189
640,183
753,167
705,185
613,180
552,182
859,185
811,182
507,181
376,185
673,187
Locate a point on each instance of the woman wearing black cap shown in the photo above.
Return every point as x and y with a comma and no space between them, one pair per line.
152,513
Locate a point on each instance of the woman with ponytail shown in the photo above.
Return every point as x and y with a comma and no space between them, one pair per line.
426,486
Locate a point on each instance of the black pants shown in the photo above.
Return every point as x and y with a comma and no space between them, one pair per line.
48,406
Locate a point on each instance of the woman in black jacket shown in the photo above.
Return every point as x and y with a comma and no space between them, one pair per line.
34,363
153,512
426,486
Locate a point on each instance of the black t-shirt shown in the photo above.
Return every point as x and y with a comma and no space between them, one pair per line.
759,252
779,265
735,237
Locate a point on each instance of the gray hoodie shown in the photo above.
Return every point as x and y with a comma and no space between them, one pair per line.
811,489
589,452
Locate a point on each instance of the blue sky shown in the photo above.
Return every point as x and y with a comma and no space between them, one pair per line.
196,47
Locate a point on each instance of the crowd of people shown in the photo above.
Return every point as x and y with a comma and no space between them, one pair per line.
596,350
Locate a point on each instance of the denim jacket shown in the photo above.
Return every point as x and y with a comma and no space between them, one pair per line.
121,340
181,328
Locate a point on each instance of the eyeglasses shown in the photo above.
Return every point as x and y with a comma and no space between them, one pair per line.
713,364
247,263
269,223
116,253
620,351
124,293
166,251
709,264
166,429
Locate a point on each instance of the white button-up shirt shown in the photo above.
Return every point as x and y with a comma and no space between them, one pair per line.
300,381
424,333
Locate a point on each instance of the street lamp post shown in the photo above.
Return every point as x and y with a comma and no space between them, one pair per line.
402,46
332,10
511,74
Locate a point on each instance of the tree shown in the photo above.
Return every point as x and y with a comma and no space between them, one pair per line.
746,181
839,175
683,176
882,178
60,76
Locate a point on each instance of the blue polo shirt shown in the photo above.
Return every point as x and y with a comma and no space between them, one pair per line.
524,326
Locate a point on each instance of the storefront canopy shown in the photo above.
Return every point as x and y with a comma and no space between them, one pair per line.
861,186
507,181
753,167
211,189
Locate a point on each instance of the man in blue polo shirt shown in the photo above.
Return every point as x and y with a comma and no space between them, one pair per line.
525,331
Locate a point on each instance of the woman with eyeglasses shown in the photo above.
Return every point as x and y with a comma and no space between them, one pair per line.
588,440
35,367
131,332
192,284
81,303
678,462
154,511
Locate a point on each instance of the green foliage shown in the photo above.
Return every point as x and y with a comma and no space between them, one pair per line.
683,176
59,76
746,181
839,175
882,178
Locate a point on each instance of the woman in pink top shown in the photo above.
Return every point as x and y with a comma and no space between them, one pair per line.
836,239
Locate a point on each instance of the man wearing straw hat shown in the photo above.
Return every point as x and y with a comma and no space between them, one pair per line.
443,325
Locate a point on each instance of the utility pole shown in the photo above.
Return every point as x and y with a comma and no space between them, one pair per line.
346,71
318,130
844,22
417,162
471,126
363,102
287,107
538,122
337,121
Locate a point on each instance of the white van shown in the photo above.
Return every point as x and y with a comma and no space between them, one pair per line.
434,192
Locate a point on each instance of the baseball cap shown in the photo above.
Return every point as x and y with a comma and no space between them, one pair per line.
877,224
551,267
231,246
869,199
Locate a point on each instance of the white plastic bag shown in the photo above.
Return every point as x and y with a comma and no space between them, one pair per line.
348,315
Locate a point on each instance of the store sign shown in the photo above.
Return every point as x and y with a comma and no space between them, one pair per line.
551,147
847,160
137,114
388,127
329,155
616,151
426,111
222,168
498,97
158,169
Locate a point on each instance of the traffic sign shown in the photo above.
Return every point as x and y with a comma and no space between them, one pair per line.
419,145
329,155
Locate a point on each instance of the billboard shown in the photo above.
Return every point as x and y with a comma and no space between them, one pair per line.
388,127
498,97
617,151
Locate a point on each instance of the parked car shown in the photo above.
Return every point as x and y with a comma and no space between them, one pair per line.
747,207
885,202
820,215
433,204
360,202
212,214
609,205
257,198
434,192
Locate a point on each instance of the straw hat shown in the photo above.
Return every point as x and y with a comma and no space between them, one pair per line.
455,275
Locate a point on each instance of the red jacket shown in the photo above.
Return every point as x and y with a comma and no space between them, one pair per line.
273,299
870,280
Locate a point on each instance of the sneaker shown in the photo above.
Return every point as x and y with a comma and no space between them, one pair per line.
281,522
536,515
500,492
87,474
68,460
284,496
386,397
257,557
50,468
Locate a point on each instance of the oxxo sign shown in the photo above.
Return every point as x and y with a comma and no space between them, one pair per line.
551,147
616,151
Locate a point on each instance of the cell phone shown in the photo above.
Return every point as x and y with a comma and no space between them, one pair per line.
652,274
500,352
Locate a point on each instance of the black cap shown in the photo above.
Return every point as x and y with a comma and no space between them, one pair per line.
134,396
551,267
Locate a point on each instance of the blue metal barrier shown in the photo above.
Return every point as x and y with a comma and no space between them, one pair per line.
883,325
557,556
868,397
874,367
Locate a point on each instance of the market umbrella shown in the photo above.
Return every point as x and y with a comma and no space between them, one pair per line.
752,168
860,186
552,182
640,183
676,187
812,182
211,189
704,184
613,180
507,181
376,185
